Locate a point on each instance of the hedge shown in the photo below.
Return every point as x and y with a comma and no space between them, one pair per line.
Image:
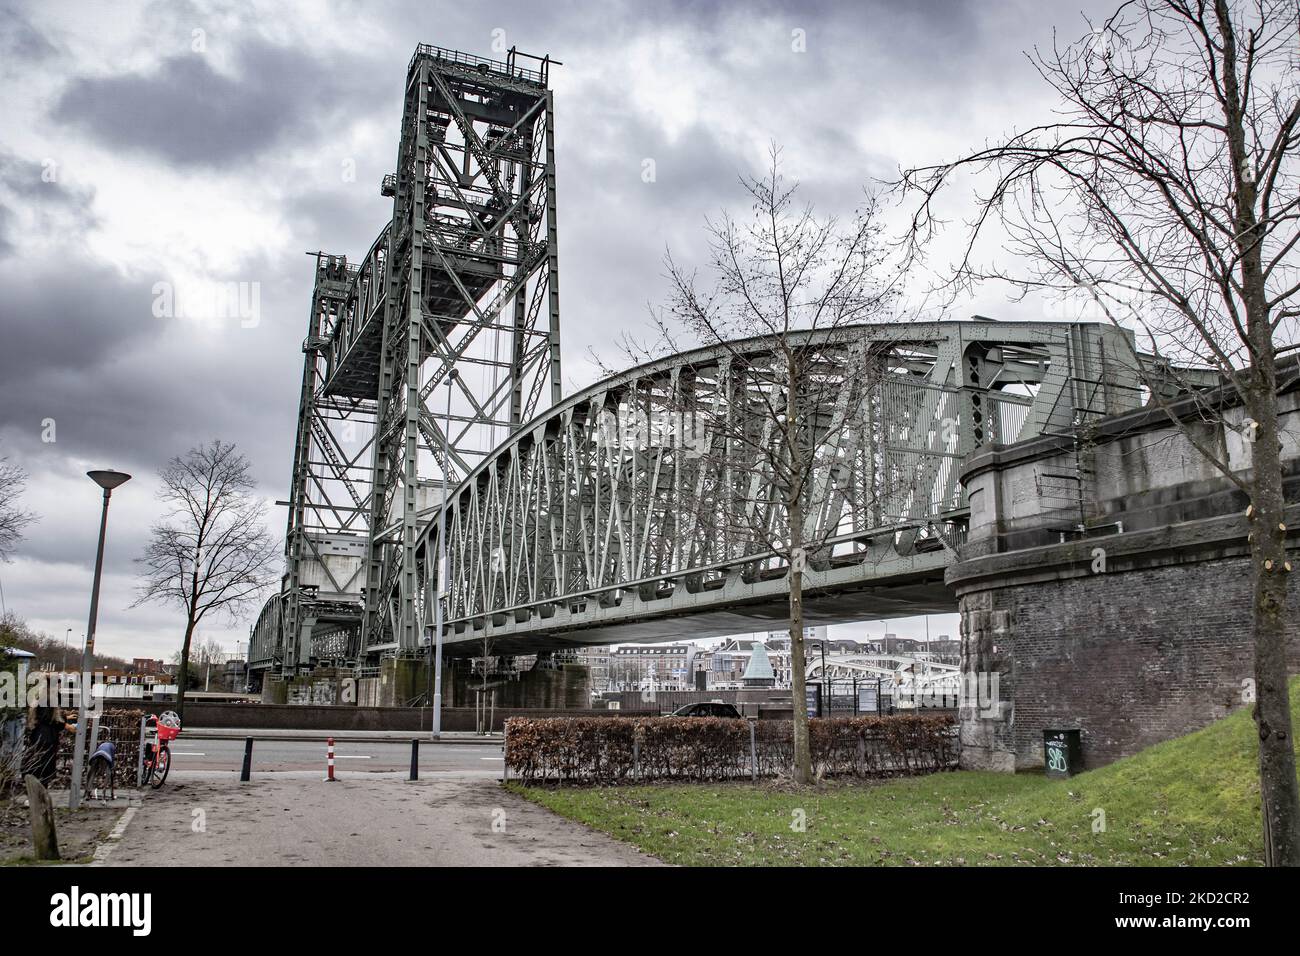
628,749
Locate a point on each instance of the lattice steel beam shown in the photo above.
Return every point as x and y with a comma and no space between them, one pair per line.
472,285
603,512
326,530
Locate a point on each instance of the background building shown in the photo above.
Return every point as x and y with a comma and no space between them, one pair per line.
596,658
651,666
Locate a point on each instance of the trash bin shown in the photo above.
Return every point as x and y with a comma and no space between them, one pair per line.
1062,753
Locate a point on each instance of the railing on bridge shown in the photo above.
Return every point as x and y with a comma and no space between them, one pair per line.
481,64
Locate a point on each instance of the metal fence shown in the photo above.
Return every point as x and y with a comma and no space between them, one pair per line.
838,698
862,698
121,726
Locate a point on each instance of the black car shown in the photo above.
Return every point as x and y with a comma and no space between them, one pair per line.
710,708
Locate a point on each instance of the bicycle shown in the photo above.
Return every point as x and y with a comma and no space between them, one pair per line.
99,772
160,731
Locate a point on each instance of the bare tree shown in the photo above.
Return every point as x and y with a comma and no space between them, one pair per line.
203,657
1167,191
50,652
13,519
487,661
783,449
211,553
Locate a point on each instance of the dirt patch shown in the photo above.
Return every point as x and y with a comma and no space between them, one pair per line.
79,831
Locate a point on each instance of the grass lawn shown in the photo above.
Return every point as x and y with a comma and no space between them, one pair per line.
1194,800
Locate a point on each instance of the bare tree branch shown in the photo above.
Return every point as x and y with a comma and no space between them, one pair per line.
1166,196
13,518
783,447
210,553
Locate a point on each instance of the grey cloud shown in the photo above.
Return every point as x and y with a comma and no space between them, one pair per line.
187,113
67,315
342,220
84,348
22,183
19,40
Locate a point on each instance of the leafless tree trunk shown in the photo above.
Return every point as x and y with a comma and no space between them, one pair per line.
785,424
211,552
1167,193
483,681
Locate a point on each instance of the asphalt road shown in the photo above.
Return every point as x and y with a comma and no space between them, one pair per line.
349,756
458,818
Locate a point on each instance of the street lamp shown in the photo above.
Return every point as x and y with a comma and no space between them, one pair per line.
108,480
442,568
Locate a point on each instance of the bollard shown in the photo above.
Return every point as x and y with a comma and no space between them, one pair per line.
415,758
248,760
329,759
139,757
753,751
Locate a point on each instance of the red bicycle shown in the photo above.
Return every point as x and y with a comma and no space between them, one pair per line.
160,731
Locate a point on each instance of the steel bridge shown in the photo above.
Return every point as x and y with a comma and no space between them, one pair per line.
905,676
620,513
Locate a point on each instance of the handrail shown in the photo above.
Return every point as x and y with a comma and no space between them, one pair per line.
477,62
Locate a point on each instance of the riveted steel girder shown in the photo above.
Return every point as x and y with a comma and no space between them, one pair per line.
610,517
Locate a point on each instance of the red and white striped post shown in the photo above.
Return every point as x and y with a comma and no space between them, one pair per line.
329,759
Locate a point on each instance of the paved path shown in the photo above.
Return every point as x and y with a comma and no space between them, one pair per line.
208,818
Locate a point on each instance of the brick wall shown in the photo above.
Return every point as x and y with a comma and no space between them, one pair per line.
1130,657
1131,622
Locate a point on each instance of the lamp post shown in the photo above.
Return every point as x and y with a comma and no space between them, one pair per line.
442,568
108,480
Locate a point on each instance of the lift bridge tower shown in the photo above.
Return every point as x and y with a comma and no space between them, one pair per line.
420,359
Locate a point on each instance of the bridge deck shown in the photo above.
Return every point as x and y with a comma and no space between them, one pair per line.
355,372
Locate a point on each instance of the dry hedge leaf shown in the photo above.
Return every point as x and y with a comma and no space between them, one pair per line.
621,749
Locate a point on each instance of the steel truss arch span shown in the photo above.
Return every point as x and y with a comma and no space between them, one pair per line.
605,518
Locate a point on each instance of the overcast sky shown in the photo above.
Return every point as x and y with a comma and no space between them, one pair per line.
194,143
